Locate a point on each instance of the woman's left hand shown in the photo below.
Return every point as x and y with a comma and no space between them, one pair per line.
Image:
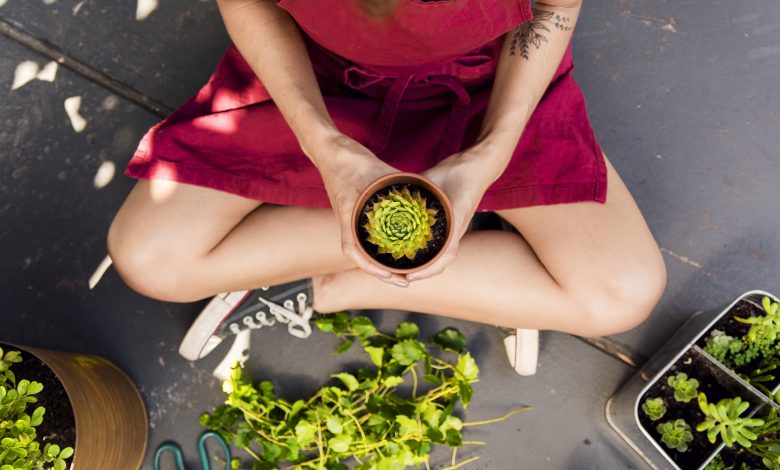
464,177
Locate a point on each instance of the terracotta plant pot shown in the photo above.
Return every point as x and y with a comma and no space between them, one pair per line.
383,183
111,426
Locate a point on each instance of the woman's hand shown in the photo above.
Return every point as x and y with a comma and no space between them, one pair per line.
464,177
347,168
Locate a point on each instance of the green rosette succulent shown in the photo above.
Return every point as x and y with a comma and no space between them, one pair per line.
400,224
654,408
685,389
675,434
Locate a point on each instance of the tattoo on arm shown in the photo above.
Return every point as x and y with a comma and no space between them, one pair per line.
532,32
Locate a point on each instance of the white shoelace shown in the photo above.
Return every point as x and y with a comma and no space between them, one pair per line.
297,321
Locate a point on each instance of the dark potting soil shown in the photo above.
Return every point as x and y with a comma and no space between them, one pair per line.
735,329
438,230
698,368
59,424
739,459
731,327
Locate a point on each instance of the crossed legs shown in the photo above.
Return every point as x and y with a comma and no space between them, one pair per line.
588,269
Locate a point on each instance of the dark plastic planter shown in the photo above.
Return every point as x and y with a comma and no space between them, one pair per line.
623,409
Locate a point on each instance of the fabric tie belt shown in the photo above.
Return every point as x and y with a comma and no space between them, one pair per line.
468,67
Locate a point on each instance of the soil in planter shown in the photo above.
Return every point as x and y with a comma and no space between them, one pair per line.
735,329
739,459
702,370
439,230
59,424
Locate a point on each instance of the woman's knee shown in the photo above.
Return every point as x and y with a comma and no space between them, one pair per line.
623,300
150,265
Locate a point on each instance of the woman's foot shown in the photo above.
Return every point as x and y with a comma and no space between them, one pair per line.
230,313
522,349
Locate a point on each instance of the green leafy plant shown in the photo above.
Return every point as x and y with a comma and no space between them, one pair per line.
19,448
724,419
718,464
759,342
675,434
766,446
654,408
399,223
684,388
363,417
720,345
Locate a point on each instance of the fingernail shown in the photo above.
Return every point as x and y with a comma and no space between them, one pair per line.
385,275
401,283
411,278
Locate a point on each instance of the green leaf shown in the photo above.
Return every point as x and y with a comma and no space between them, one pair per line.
451,339
54,450
59,464
66,452
465,391
407,330
37,416
334,424
348,380
392,381
305,432
376,355
406,424
340,443
451,422
363,327
324,324
408,351
297,407
467,366
344,346
34,388
22,386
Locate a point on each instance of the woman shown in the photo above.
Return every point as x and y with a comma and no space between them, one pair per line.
319,98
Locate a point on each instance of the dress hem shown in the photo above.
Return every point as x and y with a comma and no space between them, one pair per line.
275,193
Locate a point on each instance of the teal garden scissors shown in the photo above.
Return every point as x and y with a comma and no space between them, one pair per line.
203,453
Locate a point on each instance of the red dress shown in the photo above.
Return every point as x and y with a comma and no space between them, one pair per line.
412,87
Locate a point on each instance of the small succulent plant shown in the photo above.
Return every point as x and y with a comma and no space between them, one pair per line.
654,408
724,419
675,434
685,389
399,223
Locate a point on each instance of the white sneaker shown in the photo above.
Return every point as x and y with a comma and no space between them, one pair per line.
522,349
232,312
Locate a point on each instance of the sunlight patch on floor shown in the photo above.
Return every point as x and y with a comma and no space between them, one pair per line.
144,8
99,272
29,70
105,174
72,106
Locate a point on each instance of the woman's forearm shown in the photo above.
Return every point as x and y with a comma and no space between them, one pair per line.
271,43
530,56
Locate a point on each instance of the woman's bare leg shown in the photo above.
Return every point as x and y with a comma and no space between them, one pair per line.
182,243
585,268
589,269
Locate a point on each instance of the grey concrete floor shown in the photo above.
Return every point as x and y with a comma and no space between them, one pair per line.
682,97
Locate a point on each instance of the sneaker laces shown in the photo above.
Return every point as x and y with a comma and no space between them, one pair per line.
297,321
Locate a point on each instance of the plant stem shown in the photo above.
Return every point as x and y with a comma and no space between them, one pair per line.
496,420
465,462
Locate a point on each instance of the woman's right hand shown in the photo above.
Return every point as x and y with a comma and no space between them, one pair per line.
347,168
